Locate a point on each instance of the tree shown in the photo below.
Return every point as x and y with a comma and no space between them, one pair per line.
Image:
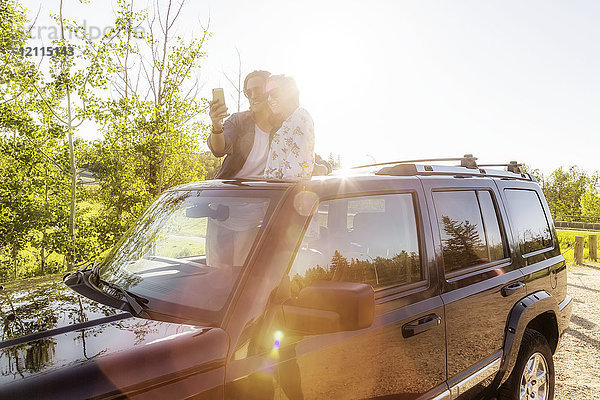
210,163
151,123
66,98
564,188
336,163
32,159
338,266
590,202
461,243
152,127
237,83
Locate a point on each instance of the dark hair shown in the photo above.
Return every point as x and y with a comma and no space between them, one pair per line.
261,74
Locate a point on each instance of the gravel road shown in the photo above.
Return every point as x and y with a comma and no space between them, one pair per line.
577,361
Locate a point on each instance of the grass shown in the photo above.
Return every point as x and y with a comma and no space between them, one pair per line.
566,239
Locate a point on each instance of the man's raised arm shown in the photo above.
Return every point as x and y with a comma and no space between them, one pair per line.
216,140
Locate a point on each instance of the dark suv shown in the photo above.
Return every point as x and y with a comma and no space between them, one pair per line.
407,281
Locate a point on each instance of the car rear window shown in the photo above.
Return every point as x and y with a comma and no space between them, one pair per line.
528,220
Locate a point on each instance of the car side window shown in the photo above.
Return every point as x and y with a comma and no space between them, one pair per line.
469,229
368,239
495,239
528,220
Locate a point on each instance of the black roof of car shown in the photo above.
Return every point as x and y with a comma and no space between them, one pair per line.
467,168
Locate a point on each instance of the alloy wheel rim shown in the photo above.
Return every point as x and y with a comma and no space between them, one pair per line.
534,380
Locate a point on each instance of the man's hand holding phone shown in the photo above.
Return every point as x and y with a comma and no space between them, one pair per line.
218,110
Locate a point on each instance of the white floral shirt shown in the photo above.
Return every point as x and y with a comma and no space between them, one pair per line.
292,152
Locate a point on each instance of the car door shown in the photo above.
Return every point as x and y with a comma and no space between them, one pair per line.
481,283
533,231
379,239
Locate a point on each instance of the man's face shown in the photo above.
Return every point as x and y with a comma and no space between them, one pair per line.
255,91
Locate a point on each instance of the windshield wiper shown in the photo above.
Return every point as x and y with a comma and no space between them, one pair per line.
86,282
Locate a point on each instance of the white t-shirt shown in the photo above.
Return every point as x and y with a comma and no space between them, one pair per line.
254,167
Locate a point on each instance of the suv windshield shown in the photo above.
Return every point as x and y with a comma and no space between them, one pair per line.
187,251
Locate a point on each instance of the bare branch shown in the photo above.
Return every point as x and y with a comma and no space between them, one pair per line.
48,104
35,19
176,15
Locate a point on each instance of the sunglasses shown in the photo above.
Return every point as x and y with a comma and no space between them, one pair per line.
254,92
275,93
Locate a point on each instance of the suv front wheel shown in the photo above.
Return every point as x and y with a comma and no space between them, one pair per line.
533,374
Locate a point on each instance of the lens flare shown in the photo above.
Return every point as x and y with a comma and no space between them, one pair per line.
278,335
305,201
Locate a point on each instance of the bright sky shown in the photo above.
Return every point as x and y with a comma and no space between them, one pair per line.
393,80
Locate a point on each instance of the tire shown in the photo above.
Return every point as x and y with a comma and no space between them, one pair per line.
534,354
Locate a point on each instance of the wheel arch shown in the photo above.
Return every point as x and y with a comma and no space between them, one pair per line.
547,325
536,311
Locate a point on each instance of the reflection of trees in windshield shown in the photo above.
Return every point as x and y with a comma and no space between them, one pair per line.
378,272
137,242
189,242
462,244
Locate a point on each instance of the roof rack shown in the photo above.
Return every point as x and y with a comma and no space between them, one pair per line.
512,166
468,168
467,161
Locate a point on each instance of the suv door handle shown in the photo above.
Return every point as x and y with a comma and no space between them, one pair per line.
512,288
421,325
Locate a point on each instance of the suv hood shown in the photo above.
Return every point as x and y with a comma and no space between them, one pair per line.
49,330
43,307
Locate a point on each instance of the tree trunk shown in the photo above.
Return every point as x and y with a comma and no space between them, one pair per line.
71,251
15,256
43,246
43,253
162,170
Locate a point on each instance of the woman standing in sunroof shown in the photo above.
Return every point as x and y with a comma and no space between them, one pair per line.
292,151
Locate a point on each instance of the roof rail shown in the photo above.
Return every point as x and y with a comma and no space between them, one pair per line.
512,166
468,167
467,159
456,171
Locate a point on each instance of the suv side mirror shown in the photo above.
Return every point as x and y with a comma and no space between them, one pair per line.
326,307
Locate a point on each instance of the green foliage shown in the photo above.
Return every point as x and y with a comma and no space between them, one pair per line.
32,178
151,133
211,164
564,188
150,138
590,202
566,239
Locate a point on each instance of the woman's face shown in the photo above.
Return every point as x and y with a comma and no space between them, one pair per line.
277,100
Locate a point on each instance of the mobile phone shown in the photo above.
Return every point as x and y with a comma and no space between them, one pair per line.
219,94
